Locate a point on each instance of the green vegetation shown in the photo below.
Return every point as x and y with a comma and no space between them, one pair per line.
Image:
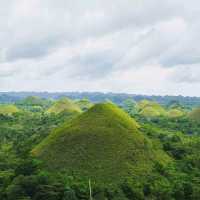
32,101
64,105
84,104
8,109
103,144
131,155
33,104
151,109
130,106
195,115
174,113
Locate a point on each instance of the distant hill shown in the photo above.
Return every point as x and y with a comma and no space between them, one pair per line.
118,98
151,109
103,144
195,115
84,104
64,105
8,109
175,105
33,101
174,113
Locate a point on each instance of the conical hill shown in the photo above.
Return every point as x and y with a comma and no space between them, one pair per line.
64,105
103,144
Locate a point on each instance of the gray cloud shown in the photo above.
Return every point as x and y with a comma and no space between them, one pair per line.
93,40
189,74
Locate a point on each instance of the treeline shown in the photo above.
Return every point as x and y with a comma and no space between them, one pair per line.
118,98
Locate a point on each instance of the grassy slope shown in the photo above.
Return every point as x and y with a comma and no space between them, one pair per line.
151,109
195,115
103,144
84,104
173,113
64,104
8,109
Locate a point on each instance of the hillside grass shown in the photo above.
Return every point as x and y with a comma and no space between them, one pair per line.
174,113
195,115
64,105
103,144
151,109
8,109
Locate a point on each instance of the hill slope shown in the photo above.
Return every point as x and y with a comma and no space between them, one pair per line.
62,105
8,109
103,143
174,113
84,104
195,115
151,109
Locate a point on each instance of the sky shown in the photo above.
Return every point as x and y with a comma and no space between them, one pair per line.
131,46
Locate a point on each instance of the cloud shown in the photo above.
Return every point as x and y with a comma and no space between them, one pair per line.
186,74
68,45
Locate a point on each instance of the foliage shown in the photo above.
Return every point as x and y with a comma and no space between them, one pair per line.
195,115
103,143
84,104
8,109
155,158
130,106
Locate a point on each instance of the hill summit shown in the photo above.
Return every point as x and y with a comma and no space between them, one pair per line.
103,144
64,105
84,104
151,109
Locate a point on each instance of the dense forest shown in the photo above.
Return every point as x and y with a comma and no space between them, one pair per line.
100,147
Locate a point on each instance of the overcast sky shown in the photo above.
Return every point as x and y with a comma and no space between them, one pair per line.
134,46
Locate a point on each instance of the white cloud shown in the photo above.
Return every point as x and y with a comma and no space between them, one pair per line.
137,46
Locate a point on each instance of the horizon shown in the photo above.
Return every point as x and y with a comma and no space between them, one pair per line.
100,92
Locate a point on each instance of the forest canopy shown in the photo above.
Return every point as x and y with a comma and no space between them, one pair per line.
116,150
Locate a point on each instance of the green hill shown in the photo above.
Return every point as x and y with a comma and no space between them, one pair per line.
151,109
8,109
174,113
130,106
64,105
103,144
84,104
195,115
175,104
33,101
34,104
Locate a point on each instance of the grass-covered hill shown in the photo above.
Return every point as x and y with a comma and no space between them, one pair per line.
103,144
84,104
151,109
33,101
175,113
8,109
195,115
64,105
